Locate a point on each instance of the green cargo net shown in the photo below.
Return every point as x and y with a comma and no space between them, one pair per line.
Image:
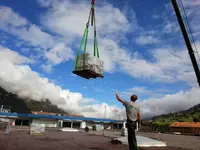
85,38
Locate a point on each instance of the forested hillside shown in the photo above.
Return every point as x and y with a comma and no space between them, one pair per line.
192,114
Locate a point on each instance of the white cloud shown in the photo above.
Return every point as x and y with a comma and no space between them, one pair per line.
155,16
138,90
191,4
85,87
8,17
23,29
147,39
47,68
59,53
13,57
142,91
171,27
170,103
87,100
44,3
193,14
71,18
18,26
168,66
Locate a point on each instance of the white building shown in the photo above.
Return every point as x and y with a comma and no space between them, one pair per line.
53,121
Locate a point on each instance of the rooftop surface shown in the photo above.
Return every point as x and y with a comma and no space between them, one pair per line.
22,140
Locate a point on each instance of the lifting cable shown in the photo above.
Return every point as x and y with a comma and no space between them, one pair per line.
189,28
85,36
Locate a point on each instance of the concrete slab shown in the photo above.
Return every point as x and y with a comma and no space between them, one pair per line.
68,130
143,142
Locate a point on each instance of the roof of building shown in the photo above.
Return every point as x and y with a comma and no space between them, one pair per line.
4,109
51,113
44,116
186,124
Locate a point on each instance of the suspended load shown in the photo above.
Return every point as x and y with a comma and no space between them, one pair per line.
86,65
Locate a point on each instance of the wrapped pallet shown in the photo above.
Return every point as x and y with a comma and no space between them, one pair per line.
99,67
88,62
37,128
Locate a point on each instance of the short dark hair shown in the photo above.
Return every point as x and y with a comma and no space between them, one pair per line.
134,98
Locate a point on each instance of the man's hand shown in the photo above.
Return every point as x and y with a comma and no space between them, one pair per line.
118,98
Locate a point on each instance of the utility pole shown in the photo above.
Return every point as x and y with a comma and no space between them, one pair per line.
104,123
105,112
187,40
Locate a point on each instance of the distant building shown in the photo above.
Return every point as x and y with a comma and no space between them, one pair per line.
186,127
54,120
3,109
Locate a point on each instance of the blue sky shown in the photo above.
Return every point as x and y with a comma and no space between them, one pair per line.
140,43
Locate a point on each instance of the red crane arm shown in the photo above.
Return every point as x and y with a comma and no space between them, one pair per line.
93,1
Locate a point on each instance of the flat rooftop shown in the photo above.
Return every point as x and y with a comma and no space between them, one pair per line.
22,140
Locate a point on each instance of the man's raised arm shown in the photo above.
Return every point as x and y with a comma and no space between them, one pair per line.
119,98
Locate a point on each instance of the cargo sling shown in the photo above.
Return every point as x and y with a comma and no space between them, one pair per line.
85,37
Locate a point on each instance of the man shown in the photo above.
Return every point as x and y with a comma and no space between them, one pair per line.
133,115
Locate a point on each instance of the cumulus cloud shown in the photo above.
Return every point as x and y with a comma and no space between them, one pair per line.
171,27
8,17
193,14
162,101
170,103
147,39
141,91
168,66
21,28
14,57
109,20
52,49
59,53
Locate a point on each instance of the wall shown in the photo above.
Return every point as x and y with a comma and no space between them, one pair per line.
89,124
47,123
108,126
83,125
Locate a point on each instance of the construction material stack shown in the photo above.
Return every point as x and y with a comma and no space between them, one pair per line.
5,127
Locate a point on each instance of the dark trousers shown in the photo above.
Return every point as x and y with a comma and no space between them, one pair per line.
132,141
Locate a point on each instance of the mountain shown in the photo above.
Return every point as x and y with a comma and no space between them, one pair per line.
190,115
44,105
26,106
161,123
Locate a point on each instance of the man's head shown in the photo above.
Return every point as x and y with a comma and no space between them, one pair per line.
134,98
